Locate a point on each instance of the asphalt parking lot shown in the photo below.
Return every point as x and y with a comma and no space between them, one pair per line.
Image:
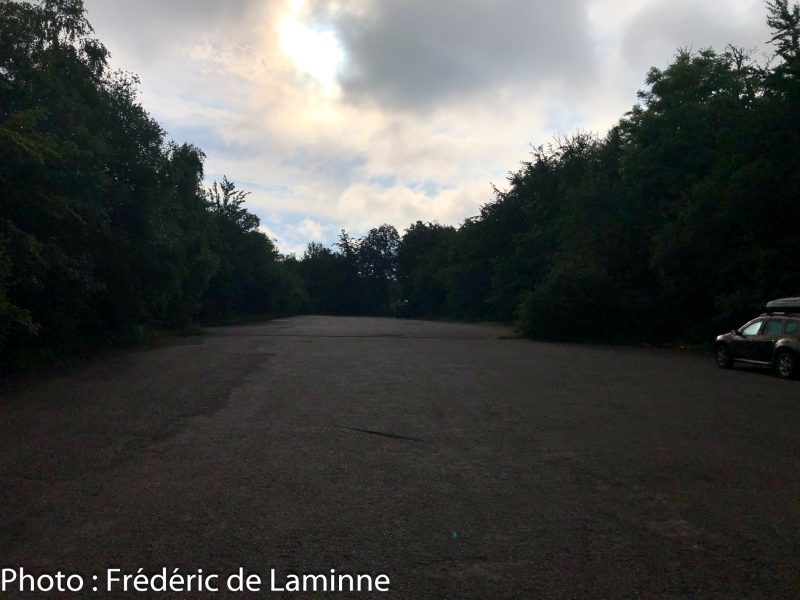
457,461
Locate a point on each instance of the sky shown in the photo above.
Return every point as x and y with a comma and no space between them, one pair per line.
352,113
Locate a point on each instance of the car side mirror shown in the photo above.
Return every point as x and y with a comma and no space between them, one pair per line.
734,332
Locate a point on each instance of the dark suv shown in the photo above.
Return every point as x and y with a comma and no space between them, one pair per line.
402,309
773,339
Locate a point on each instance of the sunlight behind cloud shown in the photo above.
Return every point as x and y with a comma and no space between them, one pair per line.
315,53
350,113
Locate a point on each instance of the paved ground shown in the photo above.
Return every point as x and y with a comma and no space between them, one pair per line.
460,463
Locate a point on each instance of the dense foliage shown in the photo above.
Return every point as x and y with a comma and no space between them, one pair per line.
105,229
358,278
677,223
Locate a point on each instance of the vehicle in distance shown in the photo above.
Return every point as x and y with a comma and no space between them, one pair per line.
773,340
402,308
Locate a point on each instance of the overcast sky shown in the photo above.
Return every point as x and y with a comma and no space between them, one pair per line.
352,113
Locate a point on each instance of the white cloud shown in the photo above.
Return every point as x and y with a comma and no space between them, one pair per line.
309,229
390,110
364,206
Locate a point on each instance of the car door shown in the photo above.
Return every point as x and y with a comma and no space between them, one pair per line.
792,328
744,340
764,342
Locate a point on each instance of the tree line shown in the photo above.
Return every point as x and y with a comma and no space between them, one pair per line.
106,230
677,223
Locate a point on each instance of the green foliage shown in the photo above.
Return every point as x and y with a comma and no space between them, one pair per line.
577,301
679,223
330,279
785,23
105,229
422,266
226,201
359,278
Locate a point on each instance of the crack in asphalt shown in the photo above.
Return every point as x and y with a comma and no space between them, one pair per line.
382,433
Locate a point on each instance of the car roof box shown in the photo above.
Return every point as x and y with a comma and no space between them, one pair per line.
784,305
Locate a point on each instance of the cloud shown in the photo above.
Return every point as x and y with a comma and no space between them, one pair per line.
351,113
309,229
294,237
366,205
409,54
145,30
654,35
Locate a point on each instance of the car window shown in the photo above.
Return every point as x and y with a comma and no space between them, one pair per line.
792,326
753,328
773,327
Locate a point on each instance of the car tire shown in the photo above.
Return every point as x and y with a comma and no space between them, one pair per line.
723,355
786,364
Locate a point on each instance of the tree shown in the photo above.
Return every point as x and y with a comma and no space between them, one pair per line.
785,23
377,253
225,200
422,262
249,275
106,231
